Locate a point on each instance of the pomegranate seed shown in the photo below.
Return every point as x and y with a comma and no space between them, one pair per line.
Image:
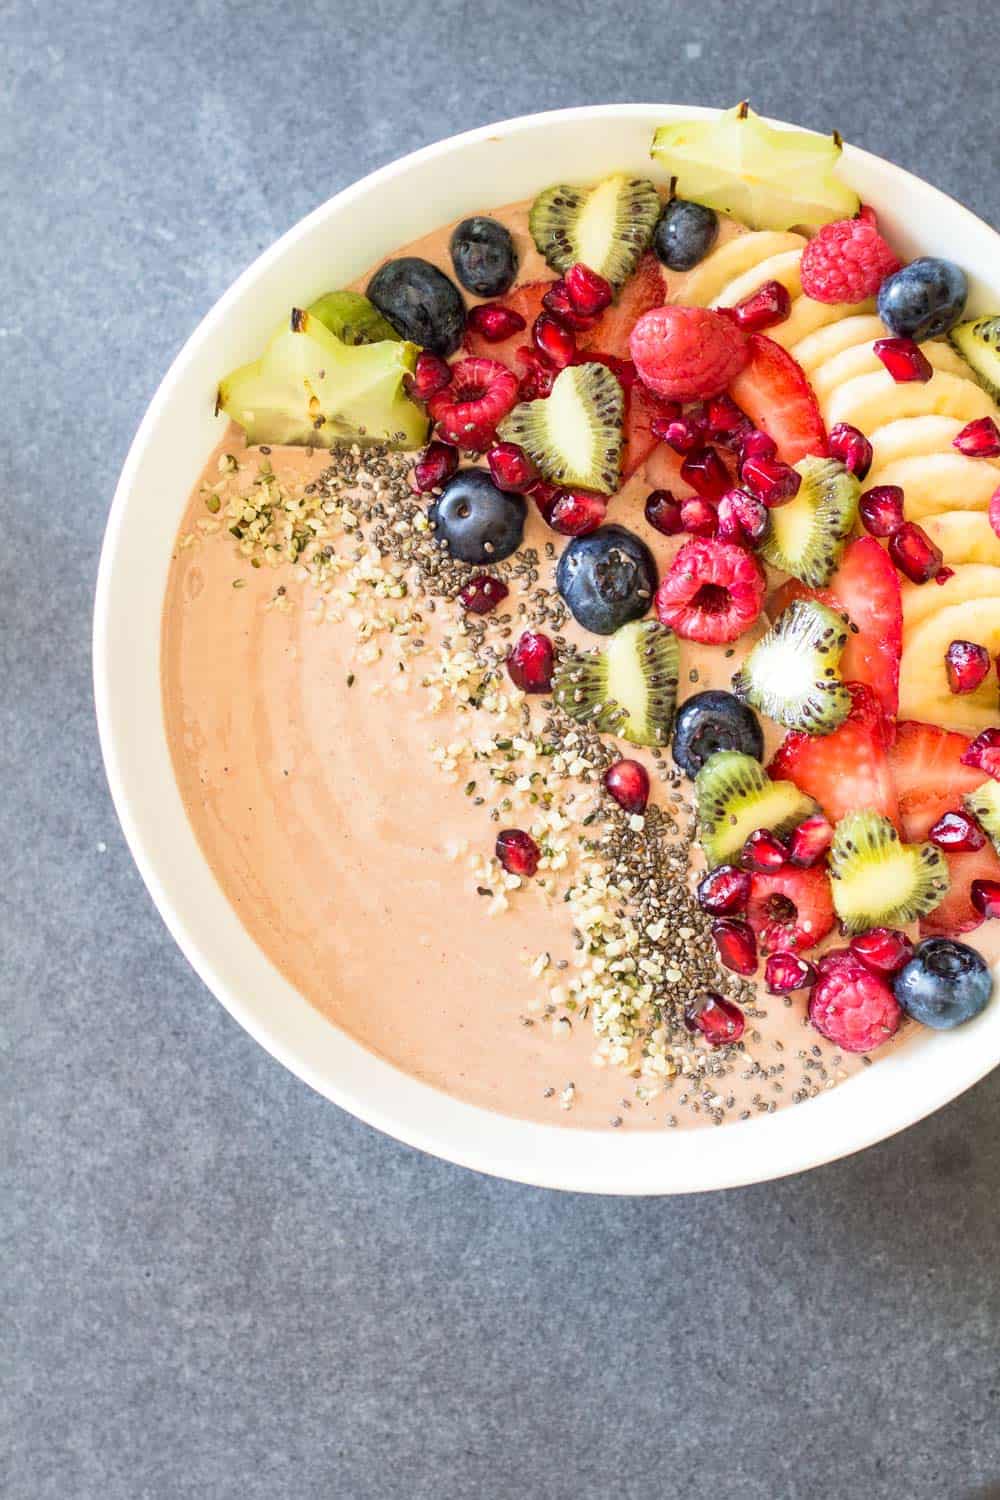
764,851
531,662
545,496
705,472
719,1020
985,896
724,890
577,512
967,665
494,322
943,574
809,842
663,512
430,375
588,292
851,447
994,511
559,303
434,467
771,481
517,851
883,950
785,972
881,509
756,444
904,360
628,783
735,944
957,833
511,469
554,341
483,593
768,305
698,517
538,377
682,433
742,518
868,215
984,753
723,419
978,439
913,552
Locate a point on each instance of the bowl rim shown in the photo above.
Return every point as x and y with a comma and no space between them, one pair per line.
761,1149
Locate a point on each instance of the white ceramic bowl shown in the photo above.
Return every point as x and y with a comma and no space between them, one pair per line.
494,165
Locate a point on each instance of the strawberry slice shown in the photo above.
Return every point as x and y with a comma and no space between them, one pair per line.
931,780
845,771
777,397
643,291
790,910
526,300
865,587
956,913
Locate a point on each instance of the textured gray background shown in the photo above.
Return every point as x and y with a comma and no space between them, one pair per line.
222,1286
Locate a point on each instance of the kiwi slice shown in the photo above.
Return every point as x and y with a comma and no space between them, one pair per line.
574,435
629,688
984,805
879,881
607,227
792,674
978,342
352,319
735,797
807,536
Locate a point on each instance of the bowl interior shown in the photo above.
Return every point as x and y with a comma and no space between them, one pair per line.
482,169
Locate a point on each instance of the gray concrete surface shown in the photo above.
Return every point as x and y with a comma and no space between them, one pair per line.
217,1284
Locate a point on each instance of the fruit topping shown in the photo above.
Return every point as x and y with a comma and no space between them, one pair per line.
764,852
978,342
525,304
687,353
481,394
351,318
852,1007
958,911
627,781
755,444
537,376
846,261
986,898
734,797
735,945
881,509
792,675
494,322
430,375
777,397
984,805
932,774
785,972
663,512
772,482
420,302
984,753
517,851
978,439
589,293
847,769
554,341
705,472
923,300
770,178
807,534
852,448
741,518
482,594
878,881
698,517
720,1021
684,234
711,721
628,688
683,432
808,844
724,891
575,434
913,552
967,665
643,411
434,467
606,579
609,334
531,662
790,910
956,833
511,469
483,255
606,227
768,305
944,984
577,512
884,950
477,522
559,303
712,592
904,360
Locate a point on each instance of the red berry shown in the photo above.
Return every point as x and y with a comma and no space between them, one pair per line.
847,769
852,448
554,340
698,517
808,843
705,472
790,909
718,1019
904,359
559,303
589,293
538,375
735,944
430,375
517,851
724,890
884,950
663,512
682,433
777,397
494,322
985,897
531,662
756,444
483,593
434,467
511,469
881,509
725,422
773,483
984,753
979,439
628,783
913,552
577,512
943,574
967,665
785,972
687,353
481,394
957,833
764,851
768,305
742,518
712,592
852,1007
846,261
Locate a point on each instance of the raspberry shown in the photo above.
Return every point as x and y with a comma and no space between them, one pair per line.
712,592
851,1006
481,393
846,262
687,353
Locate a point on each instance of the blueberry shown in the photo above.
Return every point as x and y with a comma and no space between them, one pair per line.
480,523
713,721
606,579
420,302
944,984
924,299
685,234
483,254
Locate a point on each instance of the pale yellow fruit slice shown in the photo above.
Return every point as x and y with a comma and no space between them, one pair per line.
807,316
923,682
832,339
933,482
735,258
871,401
910,436
970,582
785,268
861,359
964,536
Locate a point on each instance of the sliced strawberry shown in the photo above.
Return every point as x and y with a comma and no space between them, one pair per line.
866,588
956,913
526,300
641,292
790,910
641,410
848,770
930,778
777,397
